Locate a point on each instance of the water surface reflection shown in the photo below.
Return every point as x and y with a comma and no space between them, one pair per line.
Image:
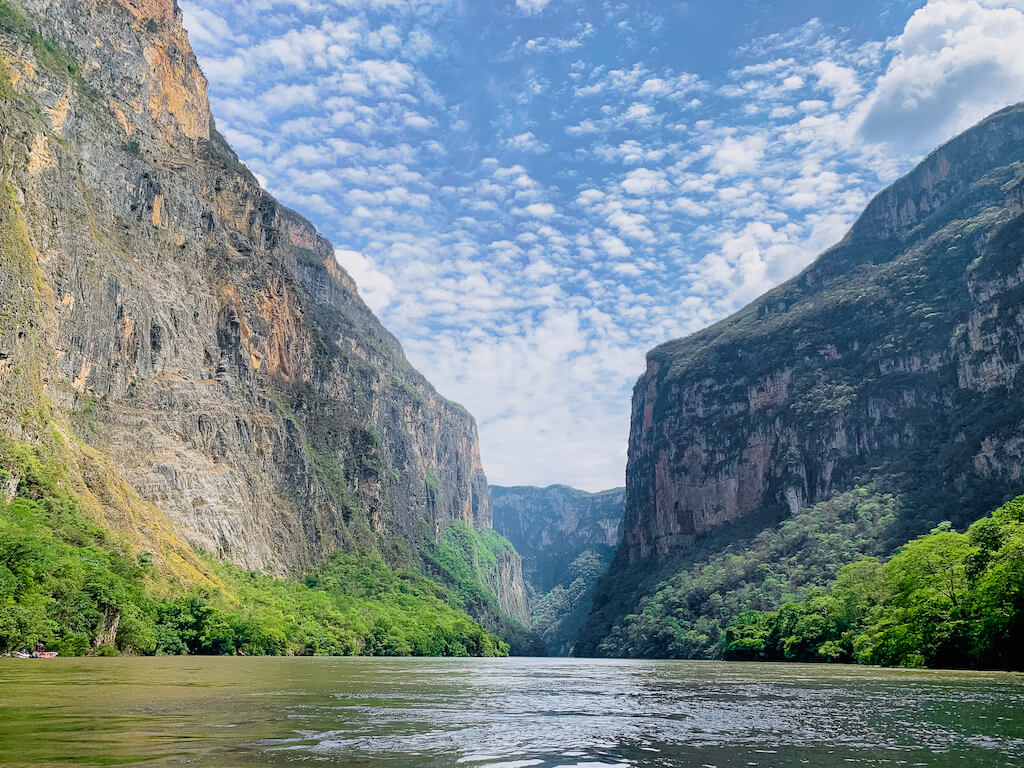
501,713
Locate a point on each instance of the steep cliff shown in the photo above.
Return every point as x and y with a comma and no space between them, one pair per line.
566,538
181,336
894,356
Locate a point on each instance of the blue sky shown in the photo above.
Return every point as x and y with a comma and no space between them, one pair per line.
533,193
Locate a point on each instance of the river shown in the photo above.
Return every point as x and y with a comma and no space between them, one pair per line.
501,713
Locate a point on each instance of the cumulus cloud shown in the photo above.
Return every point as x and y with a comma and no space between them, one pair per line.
541,210
644,181
733,156
841,81
526,142
956,61
205,26
531,212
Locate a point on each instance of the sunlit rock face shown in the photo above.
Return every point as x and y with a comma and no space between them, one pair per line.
897,353
164,312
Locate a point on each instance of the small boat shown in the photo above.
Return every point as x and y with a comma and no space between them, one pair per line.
41,653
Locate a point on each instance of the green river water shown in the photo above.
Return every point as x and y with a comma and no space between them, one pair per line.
501,713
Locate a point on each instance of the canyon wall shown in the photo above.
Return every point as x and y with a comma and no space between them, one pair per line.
566,538
162,311
898,352
550,527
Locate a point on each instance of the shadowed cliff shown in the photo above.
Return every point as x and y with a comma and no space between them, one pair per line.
893,359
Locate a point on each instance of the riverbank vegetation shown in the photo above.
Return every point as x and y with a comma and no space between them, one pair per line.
66,583
945,599
468,563
691,600
817,587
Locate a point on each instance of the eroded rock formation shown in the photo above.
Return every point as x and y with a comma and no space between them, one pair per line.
162,311
898,352
550,527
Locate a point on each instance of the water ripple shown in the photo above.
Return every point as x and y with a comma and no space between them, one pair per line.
518,713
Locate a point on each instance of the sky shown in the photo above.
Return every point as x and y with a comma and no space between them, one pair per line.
533,193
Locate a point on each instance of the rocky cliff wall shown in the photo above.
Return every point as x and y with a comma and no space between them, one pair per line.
164,312
566,538
506,580
898,353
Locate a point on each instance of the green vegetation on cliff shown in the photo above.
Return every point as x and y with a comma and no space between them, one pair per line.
70,585
691,599
466,561
557,615
566,538
945,599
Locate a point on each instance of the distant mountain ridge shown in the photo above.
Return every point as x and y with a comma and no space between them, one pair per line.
895,357
566,538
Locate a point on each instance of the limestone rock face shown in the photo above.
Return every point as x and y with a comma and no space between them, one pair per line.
898,352
163,310
507,583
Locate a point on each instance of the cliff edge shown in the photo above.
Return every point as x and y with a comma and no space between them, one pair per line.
189,346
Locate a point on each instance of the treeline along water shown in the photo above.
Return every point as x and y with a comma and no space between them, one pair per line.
501,713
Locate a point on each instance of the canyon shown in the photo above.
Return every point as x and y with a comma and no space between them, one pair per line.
566,538
183,360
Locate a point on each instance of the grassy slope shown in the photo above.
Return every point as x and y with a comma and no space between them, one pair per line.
465,560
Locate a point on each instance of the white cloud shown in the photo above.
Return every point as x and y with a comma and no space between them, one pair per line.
376,288
555,44
529,248
204,25
644,181
691,208
613,245
589,197
526,142
956,61
532,6
541,210
841,81
735,156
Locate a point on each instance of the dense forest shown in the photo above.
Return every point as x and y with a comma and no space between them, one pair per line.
816,588
558,613
68,584
945,599
738,568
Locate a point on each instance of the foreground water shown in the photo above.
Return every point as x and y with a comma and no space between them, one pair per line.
500,713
